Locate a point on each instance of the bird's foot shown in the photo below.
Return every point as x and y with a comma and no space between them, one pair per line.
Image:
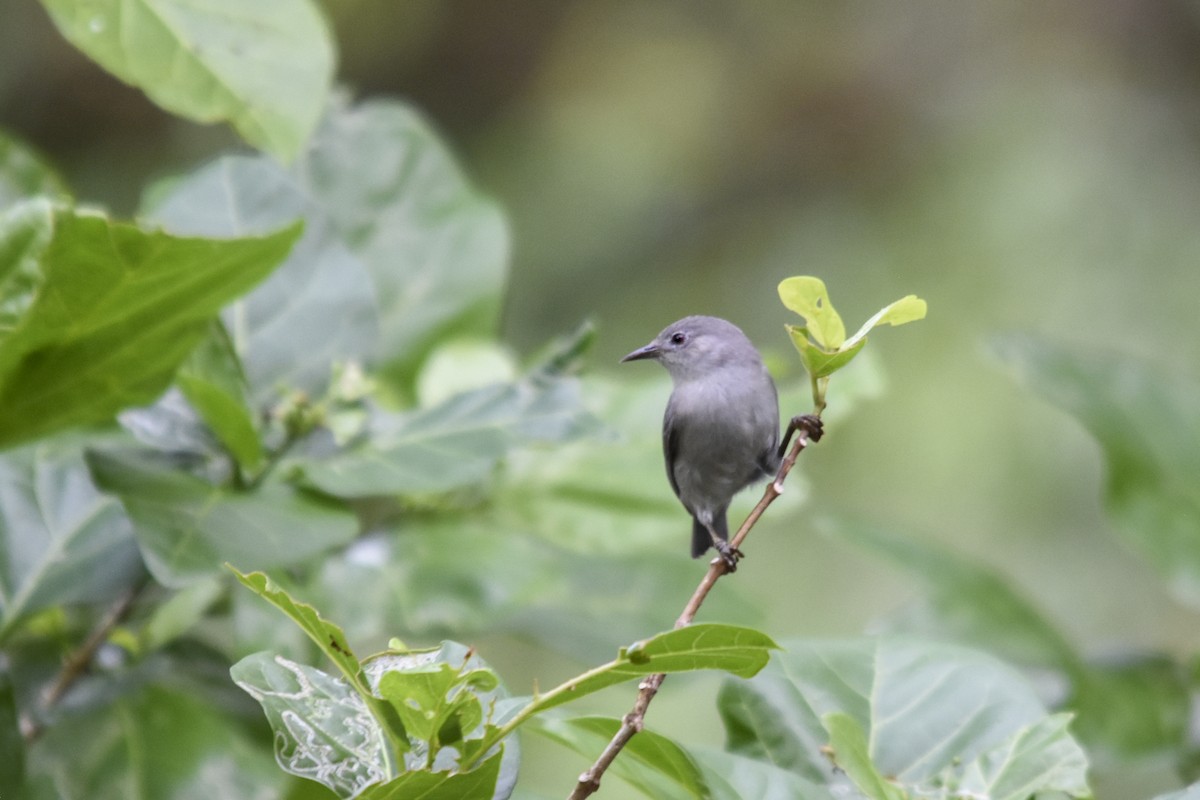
811,425
729,554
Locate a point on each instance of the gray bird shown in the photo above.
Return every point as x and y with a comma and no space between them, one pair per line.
721,427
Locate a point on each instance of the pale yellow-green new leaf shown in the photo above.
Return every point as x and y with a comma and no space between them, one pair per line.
264,66
906,309
808,297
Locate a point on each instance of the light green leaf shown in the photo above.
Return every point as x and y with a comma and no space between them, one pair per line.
933,715
808,297
821,363
1190,793
653,764
456,443
179,613
55,527
850,752
478,784
212,381
1147,423
907,309
436,249
265,67
187,527
23,174
323,728
735,777
318,308
114,311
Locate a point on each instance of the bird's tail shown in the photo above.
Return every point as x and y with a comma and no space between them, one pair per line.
702,540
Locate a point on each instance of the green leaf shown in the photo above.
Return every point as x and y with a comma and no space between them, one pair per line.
323,728
23,174
454,444
156,743
264,67
821,363
1147,423
934,716
179,614
318,308
965,601
734,649
907,309
212,381
653,764
187,527
115,310
55,528
436,249
477,784
850,752
1134,708
734,777
808,297
12,743
1190,793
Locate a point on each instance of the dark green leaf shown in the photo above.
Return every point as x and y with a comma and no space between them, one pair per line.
157,744
1148,424
436,249
187,527
1133,709
653,764
478,784
115,310
319,306
12,744
55,528
934,716
263,67
212,381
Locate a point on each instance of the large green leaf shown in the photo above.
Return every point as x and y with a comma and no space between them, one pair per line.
113,312
735,777
965,601
265,67
319,306
456,443
212,381
436,249
187,527
1147,423
156,743
55,528
931,716
478,784
23,174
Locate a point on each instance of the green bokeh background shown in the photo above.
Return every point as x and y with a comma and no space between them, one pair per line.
1021,166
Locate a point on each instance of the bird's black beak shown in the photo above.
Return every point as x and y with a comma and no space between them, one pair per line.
649,351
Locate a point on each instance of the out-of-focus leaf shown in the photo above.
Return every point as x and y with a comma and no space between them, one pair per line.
1147,423
653,764
113,312
212,381
965,601
849,747
319,306
187,527
1190,793
55,529
456,443
323,728
264,67
23,174
436,249
734,777
167,744
478,784
179,614
1133,709
933,715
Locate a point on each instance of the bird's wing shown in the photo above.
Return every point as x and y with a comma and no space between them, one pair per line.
671,435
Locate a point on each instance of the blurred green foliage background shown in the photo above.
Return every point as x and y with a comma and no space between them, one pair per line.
1022,166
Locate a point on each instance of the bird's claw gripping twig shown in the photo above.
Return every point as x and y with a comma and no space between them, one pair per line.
729,554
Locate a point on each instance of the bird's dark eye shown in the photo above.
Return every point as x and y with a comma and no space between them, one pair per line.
679,337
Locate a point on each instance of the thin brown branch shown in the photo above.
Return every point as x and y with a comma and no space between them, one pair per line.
633,722
77,662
